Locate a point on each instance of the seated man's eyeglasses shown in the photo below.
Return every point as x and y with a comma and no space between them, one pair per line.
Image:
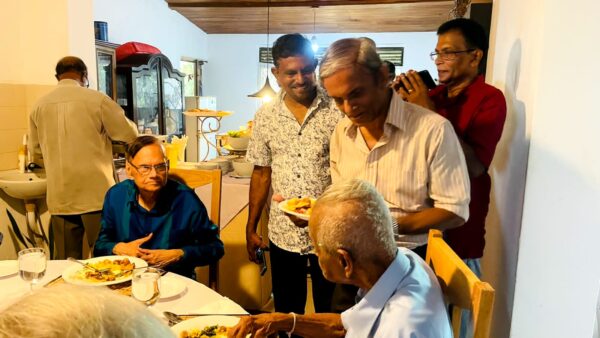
449,55
146,169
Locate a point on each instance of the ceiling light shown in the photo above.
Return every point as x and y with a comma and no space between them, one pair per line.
266,92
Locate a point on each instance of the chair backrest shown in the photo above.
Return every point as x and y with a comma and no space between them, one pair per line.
195,178
461,287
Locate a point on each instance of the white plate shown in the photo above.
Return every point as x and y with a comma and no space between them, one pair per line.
199,323
70,274
282,206
171,286
8,268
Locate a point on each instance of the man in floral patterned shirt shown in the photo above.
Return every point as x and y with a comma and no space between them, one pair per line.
290,151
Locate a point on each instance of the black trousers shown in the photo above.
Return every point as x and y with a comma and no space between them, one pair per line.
288,276
344,295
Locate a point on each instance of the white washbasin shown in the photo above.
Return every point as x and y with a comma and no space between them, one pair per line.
26,186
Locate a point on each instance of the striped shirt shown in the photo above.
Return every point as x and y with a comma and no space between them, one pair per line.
416,164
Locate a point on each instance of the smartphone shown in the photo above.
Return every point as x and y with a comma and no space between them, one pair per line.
260,256
425,76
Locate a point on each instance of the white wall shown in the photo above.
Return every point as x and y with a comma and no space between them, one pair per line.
154,23
541,51
232,71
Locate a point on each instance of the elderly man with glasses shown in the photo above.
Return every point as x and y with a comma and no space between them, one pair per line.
477,112
159,220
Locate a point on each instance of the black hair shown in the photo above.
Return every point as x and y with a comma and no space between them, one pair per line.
391,68
70,64
136,145
471,30
291,45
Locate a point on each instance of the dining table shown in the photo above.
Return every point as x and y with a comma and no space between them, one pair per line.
195,298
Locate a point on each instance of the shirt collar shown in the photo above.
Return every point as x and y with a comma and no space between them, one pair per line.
371,303
69,82
162,205
319,100
396,116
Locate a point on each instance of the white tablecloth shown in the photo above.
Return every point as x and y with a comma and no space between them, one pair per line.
197,298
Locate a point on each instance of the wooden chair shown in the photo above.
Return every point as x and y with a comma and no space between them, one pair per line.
461,287
195,178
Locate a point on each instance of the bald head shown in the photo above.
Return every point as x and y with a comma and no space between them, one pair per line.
71,67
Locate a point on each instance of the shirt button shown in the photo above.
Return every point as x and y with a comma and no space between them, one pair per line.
298,176
299,155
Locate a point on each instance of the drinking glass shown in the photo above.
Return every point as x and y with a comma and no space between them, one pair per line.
32,265
145,285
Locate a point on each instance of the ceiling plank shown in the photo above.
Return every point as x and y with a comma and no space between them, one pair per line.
285,3
420,16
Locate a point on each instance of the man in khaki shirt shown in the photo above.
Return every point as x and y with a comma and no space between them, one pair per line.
70,134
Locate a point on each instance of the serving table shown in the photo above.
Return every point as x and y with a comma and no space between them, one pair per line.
197,298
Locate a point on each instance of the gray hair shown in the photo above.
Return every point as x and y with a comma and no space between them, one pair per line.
356,218
346,53
76,311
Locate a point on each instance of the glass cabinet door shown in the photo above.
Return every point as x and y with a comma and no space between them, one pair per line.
146,105
172,103
105,67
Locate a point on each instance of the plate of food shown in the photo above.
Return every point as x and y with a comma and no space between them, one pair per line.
115,270
205,326
300,207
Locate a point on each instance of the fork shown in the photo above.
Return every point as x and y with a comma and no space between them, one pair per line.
87,265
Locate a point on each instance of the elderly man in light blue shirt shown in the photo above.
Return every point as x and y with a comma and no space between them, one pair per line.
399,296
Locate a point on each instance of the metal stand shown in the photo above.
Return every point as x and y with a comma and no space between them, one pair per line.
209,123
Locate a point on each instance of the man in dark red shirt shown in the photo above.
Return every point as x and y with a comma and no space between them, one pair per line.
476,110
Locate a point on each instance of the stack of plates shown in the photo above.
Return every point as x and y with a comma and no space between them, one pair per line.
197,165
224,163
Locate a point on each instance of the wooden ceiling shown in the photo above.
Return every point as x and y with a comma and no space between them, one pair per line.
330,16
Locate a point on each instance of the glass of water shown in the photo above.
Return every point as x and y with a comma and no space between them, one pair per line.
32,265
145,285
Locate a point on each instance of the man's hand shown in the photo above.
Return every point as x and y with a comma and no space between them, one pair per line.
300,223
414,90
262,325
160,257
131,248
253,242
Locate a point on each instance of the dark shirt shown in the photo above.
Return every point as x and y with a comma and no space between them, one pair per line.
477,115
178,221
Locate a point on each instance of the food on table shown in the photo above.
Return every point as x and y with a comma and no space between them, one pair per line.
301,205
213,331
109,270
238,133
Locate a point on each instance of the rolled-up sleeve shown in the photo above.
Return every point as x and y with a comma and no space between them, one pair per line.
449,179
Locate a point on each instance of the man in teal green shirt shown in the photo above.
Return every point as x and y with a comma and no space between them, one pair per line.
159,220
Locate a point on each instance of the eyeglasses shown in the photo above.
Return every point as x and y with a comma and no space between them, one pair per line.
449,55
146,169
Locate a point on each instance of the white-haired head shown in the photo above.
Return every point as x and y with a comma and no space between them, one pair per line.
347,53
69,311
352,215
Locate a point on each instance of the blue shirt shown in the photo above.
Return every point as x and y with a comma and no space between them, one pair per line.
177,221
406,301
